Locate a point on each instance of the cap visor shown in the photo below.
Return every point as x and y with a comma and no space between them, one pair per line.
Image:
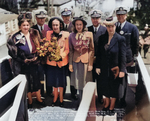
95,16
121,12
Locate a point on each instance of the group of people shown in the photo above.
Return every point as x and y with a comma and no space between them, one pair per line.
102,53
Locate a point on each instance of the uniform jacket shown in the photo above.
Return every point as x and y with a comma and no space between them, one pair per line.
70,27
130,32
64,43
17,55
81,50
101,30
43,33
114,55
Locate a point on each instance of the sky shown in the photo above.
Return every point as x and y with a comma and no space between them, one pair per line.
109,5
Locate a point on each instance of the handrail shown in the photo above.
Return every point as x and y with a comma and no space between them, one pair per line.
83,109
20,80
145,75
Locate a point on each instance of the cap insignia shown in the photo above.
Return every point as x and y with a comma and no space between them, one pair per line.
65,9
121,9
95,12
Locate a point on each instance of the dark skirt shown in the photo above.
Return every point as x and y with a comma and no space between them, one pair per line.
56,76
32,75
107,85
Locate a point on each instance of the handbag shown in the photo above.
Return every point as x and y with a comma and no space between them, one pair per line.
115,71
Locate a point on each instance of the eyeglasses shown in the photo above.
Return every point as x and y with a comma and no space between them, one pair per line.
24,16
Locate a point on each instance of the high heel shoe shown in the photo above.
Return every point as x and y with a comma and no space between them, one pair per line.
104,111
29,105
53,104
41,103
111,112
61,104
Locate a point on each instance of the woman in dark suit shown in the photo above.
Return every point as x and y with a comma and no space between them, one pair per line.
110,64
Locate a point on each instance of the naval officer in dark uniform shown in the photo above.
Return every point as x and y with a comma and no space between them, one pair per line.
130,32
41,15
97,29
66,16
68,26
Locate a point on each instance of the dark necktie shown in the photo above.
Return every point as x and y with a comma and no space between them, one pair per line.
41,33
95,30
118,28
66,26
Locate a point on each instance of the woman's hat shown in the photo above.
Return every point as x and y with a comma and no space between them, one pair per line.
26,15
51,20
110,20
79,18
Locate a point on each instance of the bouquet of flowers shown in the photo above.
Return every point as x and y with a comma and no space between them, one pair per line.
49,49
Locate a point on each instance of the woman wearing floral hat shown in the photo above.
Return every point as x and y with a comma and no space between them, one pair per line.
22,48
81,55
110,64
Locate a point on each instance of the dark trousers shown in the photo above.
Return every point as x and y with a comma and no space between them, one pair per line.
95,79
124,81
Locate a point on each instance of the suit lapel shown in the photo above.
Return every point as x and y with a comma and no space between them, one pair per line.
98,33
113,41
36,27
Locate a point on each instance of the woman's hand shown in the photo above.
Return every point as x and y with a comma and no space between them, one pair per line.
90,68
98,71
27,61
34,59
121,74
71,68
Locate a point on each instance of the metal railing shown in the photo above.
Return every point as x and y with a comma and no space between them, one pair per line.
11,113
145,75
90,91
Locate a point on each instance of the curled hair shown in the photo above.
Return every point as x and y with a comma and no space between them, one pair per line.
60,21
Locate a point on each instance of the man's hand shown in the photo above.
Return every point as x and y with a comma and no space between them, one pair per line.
98,71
